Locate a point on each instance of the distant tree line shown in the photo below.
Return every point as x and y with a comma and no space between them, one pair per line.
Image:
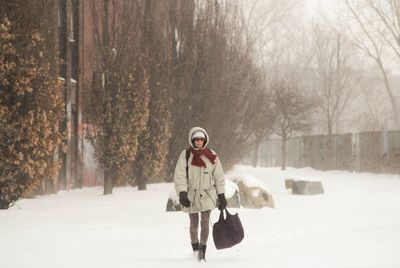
163,67
243,70
184,64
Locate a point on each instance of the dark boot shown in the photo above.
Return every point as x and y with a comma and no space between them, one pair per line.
195,247
202,252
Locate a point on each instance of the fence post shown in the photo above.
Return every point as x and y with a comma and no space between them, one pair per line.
355,151
385,142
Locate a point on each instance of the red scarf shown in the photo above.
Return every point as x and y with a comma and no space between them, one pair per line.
197,161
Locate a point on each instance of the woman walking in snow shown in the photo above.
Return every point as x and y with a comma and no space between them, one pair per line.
200,183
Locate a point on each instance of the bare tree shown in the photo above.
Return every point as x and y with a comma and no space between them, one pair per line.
378,21
294,110
371,120
215,76
333,74
263,125
264,24
120,96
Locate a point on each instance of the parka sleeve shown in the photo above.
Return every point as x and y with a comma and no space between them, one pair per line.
180,179
219,177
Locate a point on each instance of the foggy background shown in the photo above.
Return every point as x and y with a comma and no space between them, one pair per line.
104,92
340,51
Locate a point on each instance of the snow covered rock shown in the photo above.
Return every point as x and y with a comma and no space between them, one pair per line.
232,194
288,183
253,193
304,186
173,202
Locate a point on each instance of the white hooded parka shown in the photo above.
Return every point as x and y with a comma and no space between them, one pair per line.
203,184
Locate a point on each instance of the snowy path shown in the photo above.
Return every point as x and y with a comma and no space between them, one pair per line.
356,223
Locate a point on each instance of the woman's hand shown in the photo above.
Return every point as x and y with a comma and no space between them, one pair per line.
222,202
183,199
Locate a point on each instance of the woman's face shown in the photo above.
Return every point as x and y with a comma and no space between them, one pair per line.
198,142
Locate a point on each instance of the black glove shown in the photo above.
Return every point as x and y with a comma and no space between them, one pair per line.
222,202
183,199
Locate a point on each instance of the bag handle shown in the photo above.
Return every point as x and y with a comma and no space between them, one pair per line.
221,214
227,213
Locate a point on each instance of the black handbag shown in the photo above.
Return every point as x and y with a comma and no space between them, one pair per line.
227,232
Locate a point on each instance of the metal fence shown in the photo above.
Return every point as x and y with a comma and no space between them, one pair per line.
366,151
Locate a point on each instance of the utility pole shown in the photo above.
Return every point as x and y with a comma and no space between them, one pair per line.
68,108
78,60
55,57
65,73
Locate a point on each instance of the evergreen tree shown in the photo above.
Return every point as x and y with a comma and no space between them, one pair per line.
154,141
119,121
30,112
120,97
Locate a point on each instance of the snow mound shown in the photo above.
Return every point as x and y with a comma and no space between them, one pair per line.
303,179
230,188
247,179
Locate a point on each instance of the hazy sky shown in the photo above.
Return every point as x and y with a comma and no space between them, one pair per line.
314,7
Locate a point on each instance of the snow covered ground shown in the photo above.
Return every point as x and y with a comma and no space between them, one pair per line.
356,223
